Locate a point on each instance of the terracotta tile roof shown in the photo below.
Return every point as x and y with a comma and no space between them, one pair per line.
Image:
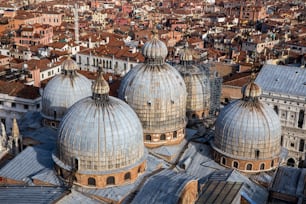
18,89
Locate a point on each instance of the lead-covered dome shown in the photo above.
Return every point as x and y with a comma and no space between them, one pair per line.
247,133
62,92
101,136
197,82
157,93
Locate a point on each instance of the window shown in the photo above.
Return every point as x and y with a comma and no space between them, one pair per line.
249,167
54,114
276,109
174,134
163,137
223,160
302,144
292,144
91,181
110,180
148,137
26,106
272,163
1,102
301,118
37,106
262,166
282,141
13,105
127,176
257,153
235,164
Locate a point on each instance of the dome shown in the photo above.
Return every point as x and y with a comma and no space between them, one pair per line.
100,135
197,82
69,65
155,51
62,92
186,54
248,130
157,93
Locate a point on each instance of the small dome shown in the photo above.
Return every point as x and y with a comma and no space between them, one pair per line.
186,54
100,86
62,92
251,90
155,51
69,65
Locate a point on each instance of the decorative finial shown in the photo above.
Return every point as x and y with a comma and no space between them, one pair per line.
100,88
154,31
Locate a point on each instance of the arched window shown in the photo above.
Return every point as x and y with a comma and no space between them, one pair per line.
127,176
223,160
272,163
262,166
91,181
249,167
174,134
148,137
76,163
163,137
110,180
257,153
235,164
54,115
193,116
291,162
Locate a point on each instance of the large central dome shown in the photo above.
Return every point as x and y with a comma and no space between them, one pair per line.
157,93
101,136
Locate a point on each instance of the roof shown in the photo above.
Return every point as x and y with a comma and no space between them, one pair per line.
282,79
289,180
32,162
78,198
30,194
164,187
19,90
219,192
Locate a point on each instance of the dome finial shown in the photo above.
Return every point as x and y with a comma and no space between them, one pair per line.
100,87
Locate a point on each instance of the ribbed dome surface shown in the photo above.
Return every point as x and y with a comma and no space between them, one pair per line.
62,92
158,96
198,86
155,49
103,135
244,127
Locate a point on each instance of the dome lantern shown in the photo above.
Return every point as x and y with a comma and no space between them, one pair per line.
69,67
251,91
155,51
186,57
100,88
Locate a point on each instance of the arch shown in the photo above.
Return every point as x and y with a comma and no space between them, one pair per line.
272,163
262,166
249,167
291,162
257,152
148,138
223,160
91,181
162,137
193,116
174,134
235,164
127,176
110,180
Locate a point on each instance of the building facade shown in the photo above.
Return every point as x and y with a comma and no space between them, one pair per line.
284,89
